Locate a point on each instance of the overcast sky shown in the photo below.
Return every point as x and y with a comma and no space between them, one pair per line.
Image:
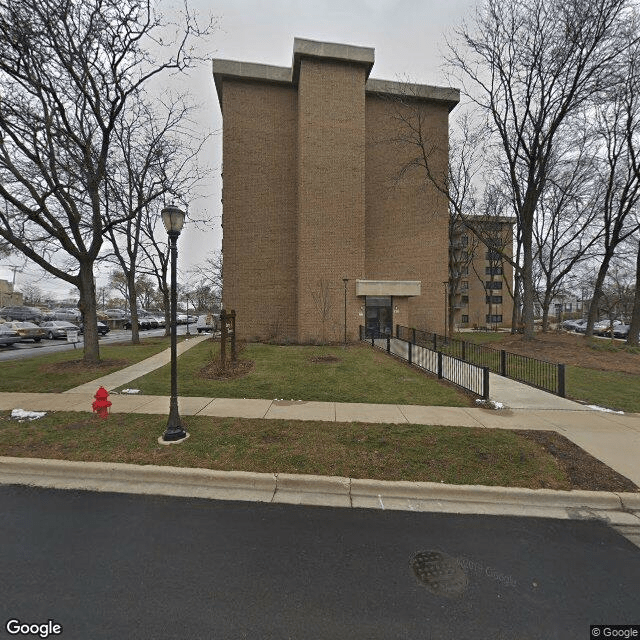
408,37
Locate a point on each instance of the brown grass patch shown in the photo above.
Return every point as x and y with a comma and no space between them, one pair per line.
583,470
572,349
232,371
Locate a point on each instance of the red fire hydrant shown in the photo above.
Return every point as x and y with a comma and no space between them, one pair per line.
101,404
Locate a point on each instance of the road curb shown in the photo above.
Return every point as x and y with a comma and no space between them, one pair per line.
614,508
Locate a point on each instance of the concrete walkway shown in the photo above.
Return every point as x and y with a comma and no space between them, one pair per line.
126,375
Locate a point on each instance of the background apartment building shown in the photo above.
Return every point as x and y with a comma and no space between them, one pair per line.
312,203
9,297
480,276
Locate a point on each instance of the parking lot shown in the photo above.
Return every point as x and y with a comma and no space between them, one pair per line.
32,349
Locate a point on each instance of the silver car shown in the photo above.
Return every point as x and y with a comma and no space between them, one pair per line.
57,328
8,335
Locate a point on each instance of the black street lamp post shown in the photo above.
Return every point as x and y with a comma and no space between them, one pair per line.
173,219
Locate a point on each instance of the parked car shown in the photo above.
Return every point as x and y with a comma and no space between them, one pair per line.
581,326
143,323
57,328
570,325
8,335
103,329
67,315
621,331
604,327
27,331
21,314
207,322
114,314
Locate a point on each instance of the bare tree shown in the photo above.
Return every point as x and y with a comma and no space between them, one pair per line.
617,128
68,69
324,300
567,227
530,66
156,159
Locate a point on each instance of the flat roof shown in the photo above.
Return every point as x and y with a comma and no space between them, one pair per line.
365,56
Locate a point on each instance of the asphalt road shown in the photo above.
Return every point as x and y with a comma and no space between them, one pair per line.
130,566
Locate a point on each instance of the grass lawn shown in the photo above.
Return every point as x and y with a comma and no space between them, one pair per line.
357,374
455,455
57,372
611,389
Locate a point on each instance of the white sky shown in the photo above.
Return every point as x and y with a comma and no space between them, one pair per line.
409,40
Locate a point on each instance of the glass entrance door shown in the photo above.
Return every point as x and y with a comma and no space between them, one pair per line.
378,316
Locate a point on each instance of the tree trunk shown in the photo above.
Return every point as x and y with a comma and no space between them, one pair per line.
597,295
634,327
87,306
133,308
528,293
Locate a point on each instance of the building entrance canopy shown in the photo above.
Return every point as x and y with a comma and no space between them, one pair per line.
388,287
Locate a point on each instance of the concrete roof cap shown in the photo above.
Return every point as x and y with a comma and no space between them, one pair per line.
414,91
248,71
330,51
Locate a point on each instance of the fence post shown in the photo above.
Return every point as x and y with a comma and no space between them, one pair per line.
464,350
373,343
503,362
485,383
561,391
388,344
440,364
435,341
414,335
409,346
397,331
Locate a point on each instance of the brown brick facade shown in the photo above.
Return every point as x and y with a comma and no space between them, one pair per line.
312,194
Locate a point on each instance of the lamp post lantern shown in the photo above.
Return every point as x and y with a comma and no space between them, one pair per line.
173,219
345,280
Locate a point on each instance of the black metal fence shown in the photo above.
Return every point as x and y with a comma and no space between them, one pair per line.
548,376
462,373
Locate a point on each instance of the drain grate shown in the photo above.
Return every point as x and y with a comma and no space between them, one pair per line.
440,573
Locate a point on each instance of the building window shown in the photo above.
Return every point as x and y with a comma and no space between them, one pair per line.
464,271
496,271
465,319
492,255
494,299
493,318
464,285
568,306
493,284
465,299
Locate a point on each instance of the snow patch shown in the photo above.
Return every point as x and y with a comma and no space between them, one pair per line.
21,415
490,404
130,391
595,407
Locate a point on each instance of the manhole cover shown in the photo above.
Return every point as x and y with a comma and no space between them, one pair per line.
439,572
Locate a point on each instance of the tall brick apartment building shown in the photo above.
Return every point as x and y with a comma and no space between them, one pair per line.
314,193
